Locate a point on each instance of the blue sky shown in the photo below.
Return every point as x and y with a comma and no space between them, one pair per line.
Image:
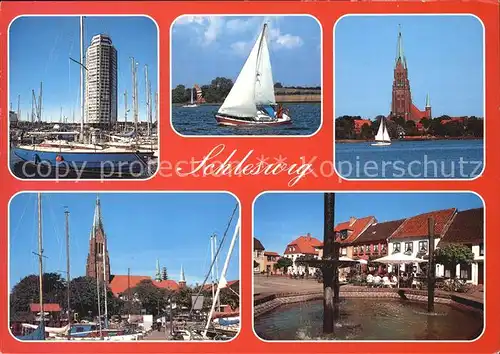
282,217
141,227
40,48
204,48
444,56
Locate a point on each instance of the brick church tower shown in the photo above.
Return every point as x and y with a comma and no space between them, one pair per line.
401,94
98,257
402,105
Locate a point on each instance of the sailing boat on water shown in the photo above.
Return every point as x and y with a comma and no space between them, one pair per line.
192,104
251,100
382,138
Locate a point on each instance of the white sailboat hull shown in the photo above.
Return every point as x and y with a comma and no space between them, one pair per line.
260,120
382,143
190,105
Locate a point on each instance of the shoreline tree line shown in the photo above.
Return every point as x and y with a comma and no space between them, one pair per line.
469,126
219,88
83,299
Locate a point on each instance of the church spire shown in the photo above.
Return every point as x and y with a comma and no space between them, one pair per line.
427,101
158,273
182,278
97,223
400,56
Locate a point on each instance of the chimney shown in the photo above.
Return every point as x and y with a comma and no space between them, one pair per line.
352,220
308,236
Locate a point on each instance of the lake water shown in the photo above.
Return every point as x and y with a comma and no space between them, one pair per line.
306,119
458,159
371,319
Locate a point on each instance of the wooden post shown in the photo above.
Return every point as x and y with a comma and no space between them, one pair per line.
68,278
328,268
431,268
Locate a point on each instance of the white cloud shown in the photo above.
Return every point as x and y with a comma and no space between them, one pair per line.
241,48
184,20
214,28
286,41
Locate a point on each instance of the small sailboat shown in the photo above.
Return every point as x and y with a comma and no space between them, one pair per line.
382,138
192,104
251,100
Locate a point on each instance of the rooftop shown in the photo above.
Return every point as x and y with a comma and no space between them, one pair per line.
304,244
356,226
379,231
467,227
417,226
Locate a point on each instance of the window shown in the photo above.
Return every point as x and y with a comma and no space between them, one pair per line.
355,250
408,247
422,246
384,248
344,251
367,248
343,234
396,247
375,248
481,249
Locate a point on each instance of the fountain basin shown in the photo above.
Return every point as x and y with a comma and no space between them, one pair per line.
387,317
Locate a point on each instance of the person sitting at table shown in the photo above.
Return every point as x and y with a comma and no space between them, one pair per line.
377,280
369,279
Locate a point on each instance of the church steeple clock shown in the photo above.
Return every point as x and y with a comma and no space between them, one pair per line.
98,249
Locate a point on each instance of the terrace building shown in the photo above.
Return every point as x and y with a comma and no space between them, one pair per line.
467,228
411,237
347,232
303,246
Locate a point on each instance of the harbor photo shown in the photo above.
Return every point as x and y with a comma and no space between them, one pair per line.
124,266
370,266
83,93
246,75
409,97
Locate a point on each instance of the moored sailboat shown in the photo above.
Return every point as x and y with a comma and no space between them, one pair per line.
251,100
191,104
382,138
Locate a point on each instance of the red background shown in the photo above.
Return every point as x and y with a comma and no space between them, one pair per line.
175,148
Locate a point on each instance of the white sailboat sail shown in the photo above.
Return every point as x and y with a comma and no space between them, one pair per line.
264,85
382,133
240,102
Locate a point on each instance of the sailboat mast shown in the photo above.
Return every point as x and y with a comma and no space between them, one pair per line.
216,265
68,278
19,107
212,278
148,101
156,107
105,291
222,280
40,259
125,98
134,93
81,80
40,105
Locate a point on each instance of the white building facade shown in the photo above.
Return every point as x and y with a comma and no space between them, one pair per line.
101,83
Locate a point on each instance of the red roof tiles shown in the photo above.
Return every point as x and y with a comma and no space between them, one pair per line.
467,227
378,232
357,226
417,114
303,244
46,307
417,226
271,254
120,283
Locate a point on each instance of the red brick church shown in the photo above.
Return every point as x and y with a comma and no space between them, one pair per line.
402,105
98,264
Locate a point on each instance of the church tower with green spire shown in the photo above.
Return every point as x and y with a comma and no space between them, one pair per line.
401,94
158,272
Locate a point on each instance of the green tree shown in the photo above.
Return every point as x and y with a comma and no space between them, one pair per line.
278,85
410,128
453,254
366,131
179,94
83,300
152,298
284,263
26,292
425,122
183,297
436,128
229,297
